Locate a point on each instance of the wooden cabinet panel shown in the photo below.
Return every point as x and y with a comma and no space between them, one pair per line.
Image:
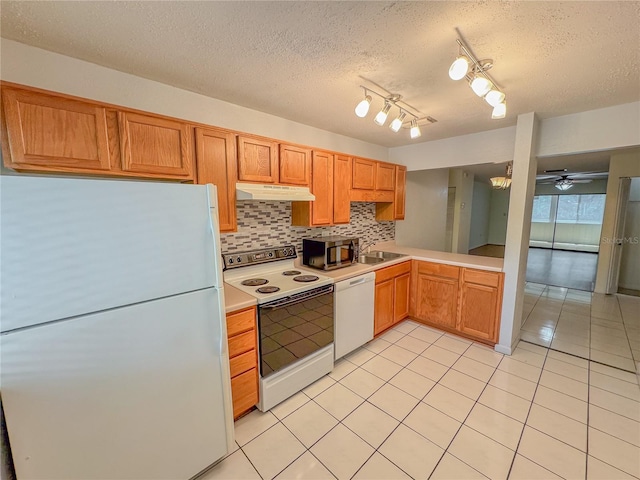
436,300
242,363
385,176
341,189
159,146
257,160
322,188
401,297
400,192
46,132
295,165
383,306
242,343
478,304
438,269
364,174
216,155
393,271
241,321
244,391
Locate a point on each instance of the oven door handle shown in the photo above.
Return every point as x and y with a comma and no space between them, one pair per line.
285,302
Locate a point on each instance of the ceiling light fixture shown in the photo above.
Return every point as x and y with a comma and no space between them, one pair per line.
381,117
564,184
392,100
502,183
363,107
466,65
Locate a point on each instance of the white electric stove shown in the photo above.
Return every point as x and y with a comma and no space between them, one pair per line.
295,319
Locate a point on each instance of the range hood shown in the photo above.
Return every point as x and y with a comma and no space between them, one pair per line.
258,191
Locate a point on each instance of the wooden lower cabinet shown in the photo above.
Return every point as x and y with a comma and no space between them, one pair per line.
243,359
460,300
480,304
391,296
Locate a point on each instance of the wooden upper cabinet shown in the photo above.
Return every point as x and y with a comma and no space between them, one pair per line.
295,165
480,304
157,146
341,189
385,176
216,162
47,132
401,192
322,188
364,174
257,160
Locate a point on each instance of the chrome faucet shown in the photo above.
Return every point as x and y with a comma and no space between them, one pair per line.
364,248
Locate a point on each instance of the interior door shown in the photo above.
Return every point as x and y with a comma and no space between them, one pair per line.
618,233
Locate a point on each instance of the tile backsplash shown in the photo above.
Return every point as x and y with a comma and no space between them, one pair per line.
265,224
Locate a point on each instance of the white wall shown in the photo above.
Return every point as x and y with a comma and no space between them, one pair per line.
480,214
39,68
499,215
630,262
621,165
463,183
425,219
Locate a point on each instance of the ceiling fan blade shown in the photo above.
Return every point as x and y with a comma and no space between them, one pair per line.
582,181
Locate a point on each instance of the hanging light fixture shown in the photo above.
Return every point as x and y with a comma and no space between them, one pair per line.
415,129
363,107
381,117
396,124
466,65
393,100
459,68
502,183
564,184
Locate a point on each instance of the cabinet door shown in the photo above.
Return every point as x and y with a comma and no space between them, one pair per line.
384,308
244,391
364,174
46,132
385,176
341,189
216,155
400,193
437,300
155,146
478,307
401,297
295,165
322,188
257,160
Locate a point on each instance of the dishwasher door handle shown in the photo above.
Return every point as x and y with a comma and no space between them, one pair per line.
357,282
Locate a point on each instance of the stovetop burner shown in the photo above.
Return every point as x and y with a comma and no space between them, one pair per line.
306,278
290,273
267,289
254,282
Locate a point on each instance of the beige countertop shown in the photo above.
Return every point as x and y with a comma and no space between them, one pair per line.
236,299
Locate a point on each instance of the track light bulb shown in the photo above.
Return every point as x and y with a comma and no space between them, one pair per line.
481,85
494,97
381,117
363,107
397,122
499,111
415,129
459,68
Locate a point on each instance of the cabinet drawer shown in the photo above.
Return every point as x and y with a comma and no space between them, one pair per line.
490,279
439,270
385,274
243,362
244,391
242,343
241,321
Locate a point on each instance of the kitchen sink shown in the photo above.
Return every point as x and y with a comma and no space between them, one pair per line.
378,257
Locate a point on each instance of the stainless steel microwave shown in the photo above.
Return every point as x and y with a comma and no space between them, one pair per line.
327,253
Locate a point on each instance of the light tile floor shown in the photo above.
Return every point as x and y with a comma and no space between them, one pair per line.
417,403
602,328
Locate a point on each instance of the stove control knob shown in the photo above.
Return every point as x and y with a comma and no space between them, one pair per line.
270,254
238,259
230,260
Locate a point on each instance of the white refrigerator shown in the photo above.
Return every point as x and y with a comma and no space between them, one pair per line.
113,344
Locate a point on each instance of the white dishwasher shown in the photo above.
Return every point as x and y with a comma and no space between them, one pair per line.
353,313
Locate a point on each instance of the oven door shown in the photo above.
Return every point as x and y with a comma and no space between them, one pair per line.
294,327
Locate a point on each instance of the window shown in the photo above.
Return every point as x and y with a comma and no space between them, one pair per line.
580,209
542,208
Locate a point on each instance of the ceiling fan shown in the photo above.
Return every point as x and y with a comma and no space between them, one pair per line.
566,181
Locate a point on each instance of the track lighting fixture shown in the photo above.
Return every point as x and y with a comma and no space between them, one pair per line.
381,117
466,65
392,100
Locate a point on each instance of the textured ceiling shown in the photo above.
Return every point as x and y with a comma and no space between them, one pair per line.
304,60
